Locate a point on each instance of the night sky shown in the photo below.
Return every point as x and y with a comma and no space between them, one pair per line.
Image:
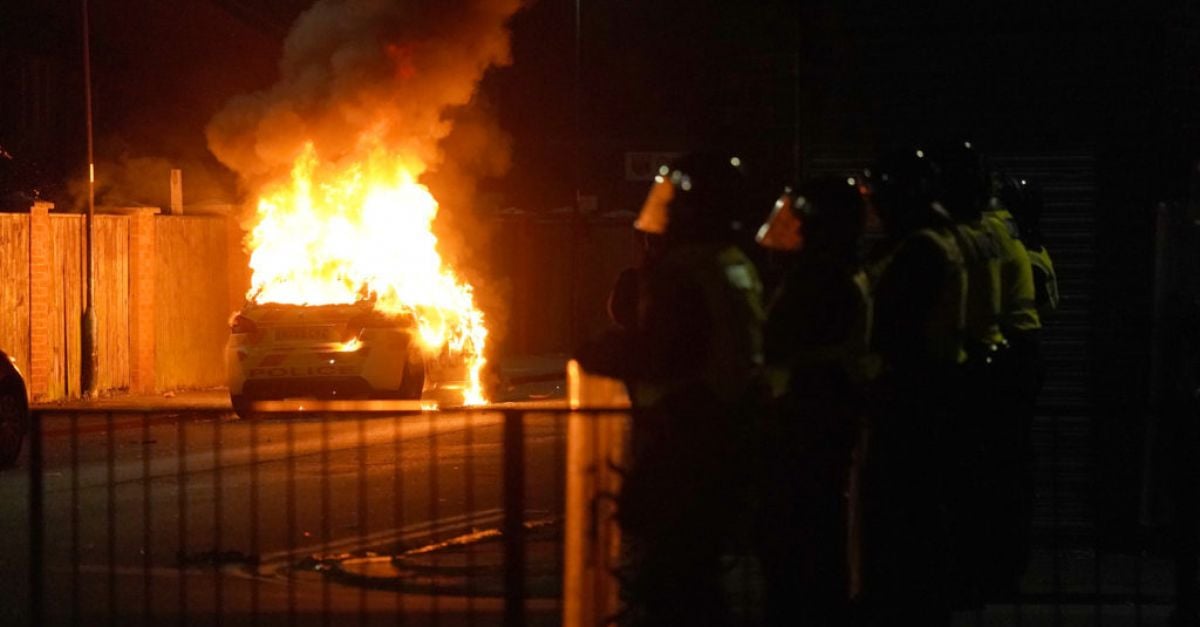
780,82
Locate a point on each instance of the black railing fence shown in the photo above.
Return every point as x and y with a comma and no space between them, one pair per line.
376,513
390,514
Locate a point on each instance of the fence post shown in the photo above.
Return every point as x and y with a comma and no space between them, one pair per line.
176,192
514,519
592,541
141,300
40,298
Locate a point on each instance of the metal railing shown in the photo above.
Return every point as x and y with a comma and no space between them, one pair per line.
388,513
444,509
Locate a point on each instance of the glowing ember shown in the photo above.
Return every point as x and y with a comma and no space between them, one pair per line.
347,233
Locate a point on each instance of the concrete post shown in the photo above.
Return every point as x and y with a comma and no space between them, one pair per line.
591,538
176,192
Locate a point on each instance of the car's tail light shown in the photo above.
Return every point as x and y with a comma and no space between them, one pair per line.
241,325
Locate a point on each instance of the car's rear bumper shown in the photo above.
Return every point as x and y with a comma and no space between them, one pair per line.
311,387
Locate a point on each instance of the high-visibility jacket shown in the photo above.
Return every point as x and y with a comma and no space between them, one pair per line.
920,302
1018,307
819,320
981,258
1045,281
700,323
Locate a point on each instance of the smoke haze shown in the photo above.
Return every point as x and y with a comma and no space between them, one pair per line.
361,71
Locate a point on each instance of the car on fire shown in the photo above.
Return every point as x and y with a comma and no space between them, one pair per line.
334,352
14,410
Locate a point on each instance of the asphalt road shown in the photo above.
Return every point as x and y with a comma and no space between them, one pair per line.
157,519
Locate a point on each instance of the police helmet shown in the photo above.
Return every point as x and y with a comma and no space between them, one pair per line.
902,189
1023,199
828,209
699,195
963,182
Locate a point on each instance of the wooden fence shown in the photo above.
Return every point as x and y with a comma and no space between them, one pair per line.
192,293
166,286
186,303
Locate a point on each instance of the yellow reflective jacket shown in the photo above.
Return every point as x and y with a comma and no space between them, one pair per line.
1018,309
920,302
981,259
1045,281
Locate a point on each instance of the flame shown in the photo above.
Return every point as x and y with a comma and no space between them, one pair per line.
361,230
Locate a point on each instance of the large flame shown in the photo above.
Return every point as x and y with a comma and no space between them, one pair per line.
362,231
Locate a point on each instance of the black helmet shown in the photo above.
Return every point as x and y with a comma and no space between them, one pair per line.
903,189
964,182
828,210
698,196
1023,199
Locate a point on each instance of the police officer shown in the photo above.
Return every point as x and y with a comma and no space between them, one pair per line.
816,351
917,332
692,357
964,187
1012,509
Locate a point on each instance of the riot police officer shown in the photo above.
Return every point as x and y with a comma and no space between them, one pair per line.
1012,508
917,331
985,424
816,335
692,358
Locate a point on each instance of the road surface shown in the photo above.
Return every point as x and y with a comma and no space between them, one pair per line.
234,522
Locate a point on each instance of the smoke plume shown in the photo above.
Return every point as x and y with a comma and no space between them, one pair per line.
356,71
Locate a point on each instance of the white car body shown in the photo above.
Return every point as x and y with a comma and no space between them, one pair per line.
333,352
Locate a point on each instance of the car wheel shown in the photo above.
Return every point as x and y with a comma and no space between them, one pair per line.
241,406
414,380
14,418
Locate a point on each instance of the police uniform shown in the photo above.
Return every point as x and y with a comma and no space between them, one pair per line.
919,325
1045,280
699,345
1008,448
691,361
817,357
1018,290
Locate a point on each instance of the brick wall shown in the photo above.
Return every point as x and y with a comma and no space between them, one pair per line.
39,300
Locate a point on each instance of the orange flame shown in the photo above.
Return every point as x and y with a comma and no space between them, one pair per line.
342,234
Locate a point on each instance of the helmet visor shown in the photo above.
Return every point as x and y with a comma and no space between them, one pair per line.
781,231
655,216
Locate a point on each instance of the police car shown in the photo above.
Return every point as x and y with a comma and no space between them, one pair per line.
335,352
14,411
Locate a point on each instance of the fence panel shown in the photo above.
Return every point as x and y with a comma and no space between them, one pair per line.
192,295
111,253
66,304
14,298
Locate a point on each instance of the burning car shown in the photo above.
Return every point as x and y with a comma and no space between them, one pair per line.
279,351
349,295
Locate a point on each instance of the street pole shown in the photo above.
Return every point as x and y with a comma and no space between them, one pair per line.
573,331
88,370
